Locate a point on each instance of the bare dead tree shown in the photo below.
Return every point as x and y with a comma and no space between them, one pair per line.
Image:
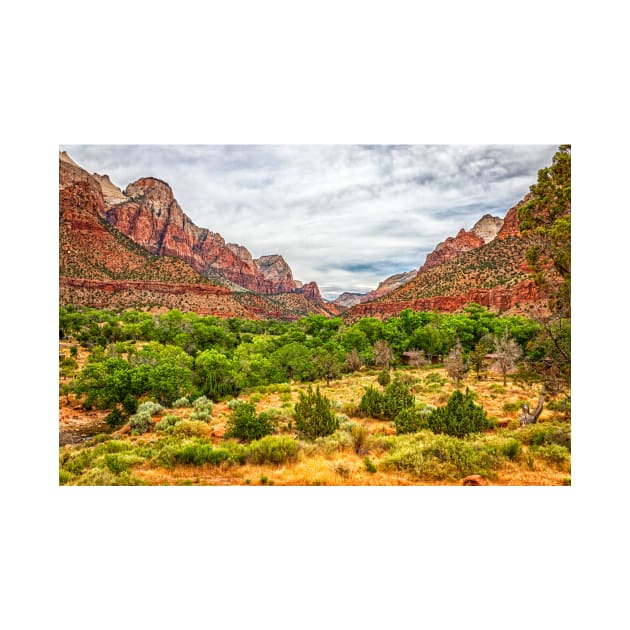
507,352
454,363
526,417
417,358
383,355
353,360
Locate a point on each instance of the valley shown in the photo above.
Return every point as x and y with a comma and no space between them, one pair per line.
185,360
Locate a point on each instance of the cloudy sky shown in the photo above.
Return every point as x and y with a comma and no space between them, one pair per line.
346,216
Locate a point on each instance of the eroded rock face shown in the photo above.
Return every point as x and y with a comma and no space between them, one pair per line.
111,193
277,273
499,299
153,218
101,266
451,248
510,223
311,290
487,227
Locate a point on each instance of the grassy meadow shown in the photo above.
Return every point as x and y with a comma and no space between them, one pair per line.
186,445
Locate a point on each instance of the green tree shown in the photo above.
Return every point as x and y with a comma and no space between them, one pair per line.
371,403
476,359
244,424
546,219
327,365
214,375
396,397
294,361
314,416
459,417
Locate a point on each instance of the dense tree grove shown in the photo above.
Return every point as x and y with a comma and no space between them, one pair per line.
167,356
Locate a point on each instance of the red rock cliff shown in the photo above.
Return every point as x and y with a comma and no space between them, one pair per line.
451,248
153,218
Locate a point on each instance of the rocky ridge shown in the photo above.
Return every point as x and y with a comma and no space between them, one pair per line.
99,265
485,265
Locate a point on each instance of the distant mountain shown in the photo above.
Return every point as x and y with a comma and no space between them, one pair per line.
101,266
486,265
347,300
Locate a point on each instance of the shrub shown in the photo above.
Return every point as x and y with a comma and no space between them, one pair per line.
509,407
121,462
202,404
553,453
459,417
440,457
166,456
396,398
512,449
182,402
384,378
433,378
313,414
130,405
411,420
497,389
167,423
150,407
198,453
562,406
272,450
140,422
343,469
115,418
371,404
333,443
245,425
98,477
65,477
369,466
349,408
190,428
546,433
202,415
359,438
76,463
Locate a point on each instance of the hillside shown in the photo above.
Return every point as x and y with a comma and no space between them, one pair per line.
477,266
101,267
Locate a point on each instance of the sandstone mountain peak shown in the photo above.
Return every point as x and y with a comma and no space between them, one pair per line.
311,290
64,157
111,192
151,188
487,227
276,271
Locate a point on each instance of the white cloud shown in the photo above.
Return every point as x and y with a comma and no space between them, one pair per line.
345,216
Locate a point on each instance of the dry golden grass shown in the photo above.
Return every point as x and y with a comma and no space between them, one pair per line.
336,464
